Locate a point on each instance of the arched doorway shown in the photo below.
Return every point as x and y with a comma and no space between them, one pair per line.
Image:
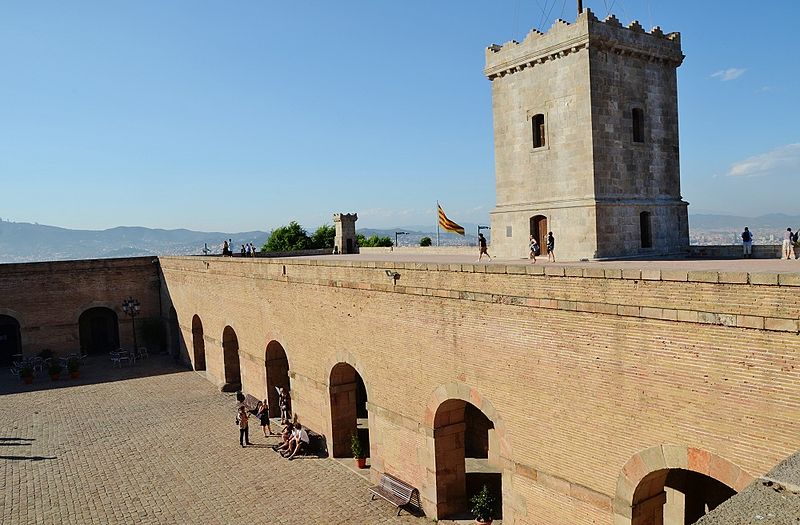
174,333
277,371
348,410
99,330
10,340
461,433
539,231
674,485
198,344
230,355
676,497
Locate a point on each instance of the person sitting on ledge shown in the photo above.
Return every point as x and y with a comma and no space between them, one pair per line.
286,435
298,443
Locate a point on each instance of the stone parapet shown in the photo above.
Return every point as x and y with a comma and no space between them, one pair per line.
588,31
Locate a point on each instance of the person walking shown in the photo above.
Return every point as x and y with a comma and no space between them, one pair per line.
534,247
224,248
788,245
242,420
747,242
482,249
551,246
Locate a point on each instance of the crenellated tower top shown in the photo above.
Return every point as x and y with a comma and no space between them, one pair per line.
587,32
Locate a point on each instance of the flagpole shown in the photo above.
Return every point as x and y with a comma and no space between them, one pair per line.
437,223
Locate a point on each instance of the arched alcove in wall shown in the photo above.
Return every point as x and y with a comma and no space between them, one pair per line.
198,344
230,356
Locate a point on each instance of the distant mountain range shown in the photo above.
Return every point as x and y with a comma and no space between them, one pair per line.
25,242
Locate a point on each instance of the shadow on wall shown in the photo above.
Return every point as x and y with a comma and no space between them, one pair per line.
94,369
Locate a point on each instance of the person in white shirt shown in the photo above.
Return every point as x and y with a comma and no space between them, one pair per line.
299,441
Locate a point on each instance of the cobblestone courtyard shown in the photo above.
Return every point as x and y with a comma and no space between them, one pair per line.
162,447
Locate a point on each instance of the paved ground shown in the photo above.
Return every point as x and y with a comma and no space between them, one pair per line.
158,448
728,265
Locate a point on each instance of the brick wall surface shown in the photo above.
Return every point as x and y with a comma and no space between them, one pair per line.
47,299
580,369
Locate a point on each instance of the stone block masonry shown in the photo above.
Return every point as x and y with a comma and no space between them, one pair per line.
586,141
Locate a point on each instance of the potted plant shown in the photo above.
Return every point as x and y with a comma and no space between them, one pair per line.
26,373
54,370
358,450
73,367
482,506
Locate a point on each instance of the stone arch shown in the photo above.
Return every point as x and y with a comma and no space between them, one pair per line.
348,401
461,421
117,309
276,369
174,332
15,314
230,359
10,339
640,485
98,329
198,343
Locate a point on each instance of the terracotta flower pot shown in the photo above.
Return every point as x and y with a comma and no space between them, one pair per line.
27,380
74,375
361,462
54,377
479,522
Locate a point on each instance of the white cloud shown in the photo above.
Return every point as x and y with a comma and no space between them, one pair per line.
784,160
729,74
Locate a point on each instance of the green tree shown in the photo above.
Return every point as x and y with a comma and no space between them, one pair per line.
323,237
287,239
425,241
373,242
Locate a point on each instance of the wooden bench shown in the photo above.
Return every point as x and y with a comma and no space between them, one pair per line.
397,492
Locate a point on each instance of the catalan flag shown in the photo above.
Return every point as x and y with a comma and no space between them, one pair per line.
447,224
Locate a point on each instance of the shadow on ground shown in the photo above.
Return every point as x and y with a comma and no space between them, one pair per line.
94,369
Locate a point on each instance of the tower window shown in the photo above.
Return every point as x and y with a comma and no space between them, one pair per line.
638,124
645,229
538,131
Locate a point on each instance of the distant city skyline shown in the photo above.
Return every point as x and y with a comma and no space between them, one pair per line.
235,118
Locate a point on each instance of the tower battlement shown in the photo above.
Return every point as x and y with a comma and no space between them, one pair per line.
587,31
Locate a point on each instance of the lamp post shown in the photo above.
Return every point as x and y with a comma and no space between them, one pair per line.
482,228
131,307
395,237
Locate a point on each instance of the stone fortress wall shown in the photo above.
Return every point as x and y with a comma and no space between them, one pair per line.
592,177
592,379
48,299
592,382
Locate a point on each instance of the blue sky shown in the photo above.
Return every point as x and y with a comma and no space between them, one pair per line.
233,116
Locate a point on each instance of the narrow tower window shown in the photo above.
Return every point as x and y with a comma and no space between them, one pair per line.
645,229
638,124
538,131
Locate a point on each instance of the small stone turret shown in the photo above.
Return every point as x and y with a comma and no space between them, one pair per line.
345,240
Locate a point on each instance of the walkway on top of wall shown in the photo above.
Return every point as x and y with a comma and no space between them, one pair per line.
724,265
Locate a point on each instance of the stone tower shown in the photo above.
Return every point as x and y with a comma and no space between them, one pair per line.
586,141
345,240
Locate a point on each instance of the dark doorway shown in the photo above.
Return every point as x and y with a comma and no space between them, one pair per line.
348,410
10,340
198,344
539,231
99,330
645,229
692,496
230,355
461,438
174,333
277,371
